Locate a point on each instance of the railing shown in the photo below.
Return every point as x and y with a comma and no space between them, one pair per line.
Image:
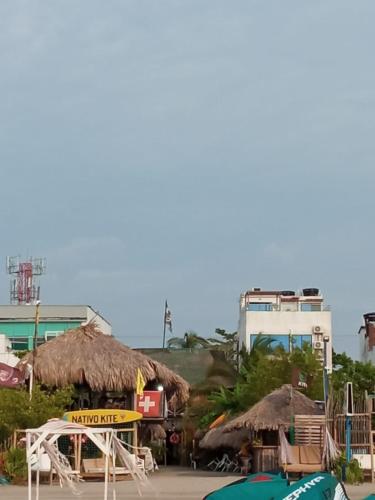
278,308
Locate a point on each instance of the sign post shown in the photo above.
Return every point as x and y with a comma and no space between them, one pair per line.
349,410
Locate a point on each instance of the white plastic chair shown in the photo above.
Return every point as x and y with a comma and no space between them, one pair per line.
193,463
224,464
42,465
213,464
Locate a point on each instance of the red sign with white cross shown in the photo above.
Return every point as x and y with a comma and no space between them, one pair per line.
150,404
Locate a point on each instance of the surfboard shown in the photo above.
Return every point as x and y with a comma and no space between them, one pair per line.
102,417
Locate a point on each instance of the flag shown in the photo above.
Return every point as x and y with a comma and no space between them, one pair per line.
168,317
140,383
9,376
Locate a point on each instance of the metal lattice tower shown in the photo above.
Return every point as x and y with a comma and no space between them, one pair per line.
23,287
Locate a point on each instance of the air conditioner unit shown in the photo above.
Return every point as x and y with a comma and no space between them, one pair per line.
317,329
318,345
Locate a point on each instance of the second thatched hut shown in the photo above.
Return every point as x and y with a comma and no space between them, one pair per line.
275,410
263,421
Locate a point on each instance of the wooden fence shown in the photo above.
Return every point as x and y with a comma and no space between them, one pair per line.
309,430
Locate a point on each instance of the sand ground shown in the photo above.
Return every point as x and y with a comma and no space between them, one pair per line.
172,483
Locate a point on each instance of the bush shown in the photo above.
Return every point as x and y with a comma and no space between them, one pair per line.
353,471
18,412
15,465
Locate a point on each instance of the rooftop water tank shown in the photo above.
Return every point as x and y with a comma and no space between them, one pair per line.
310,292
369,317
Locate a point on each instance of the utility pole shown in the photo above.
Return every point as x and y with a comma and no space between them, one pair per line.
35,343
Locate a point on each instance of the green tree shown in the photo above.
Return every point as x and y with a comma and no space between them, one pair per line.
310,366
191,340
18,412
345,369
228,344
263,370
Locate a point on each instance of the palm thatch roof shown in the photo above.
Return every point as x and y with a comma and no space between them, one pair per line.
275,410
86,355
217,438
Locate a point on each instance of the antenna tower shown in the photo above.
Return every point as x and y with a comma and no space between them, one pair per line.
23,288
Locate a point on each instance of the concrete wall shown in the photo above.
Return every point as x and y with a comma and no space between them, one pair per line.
366,349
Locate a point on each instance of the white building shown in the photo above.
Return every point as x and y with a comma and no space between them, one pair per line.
367,338
288,318
6,355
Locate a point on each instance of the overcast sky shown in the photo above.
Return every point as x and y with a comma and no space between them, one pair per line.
189,150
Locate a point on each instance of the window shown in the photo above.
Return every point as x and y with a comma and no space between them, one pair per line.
19,343
308,307
298,341
259,306
49,335
281,340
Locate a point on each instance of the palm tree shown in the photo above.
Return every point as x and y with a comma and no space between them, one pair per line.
191,340
262,343
262,346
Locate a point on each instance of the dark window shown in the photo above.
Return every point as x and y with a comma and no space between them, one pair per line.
277,341
19,343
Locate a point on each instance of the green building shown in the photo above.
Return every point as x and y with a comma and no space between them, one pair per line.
17,322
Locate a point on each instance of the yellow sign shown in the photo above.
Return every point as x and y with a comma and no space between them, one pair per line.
102,417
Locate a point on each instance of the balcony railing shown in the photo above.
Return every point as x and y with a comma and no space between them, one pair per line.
278,308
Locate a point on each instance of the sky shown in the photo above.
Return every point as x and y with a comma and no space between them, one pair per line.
189,150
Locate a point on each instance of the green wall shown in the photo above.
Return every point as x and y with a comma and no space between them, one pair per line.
25,331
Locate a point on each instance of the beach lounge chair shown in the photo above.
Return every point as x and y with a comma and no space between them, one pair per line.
95,467
304,460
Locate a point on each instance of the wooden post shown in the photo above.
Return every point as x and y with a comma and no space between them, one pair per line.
75,452
106,467
79,452
29,478
135,425
372,434
113,451
135,439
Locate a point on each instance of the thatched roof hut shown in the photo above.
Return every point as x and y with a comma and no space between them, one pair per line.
216,438
275,410
85,355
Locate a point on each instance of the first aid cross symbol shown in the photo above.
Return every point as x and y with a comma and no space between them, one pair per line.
147,403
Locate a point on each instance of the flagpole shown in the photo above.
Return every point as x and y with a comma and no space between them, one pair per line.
165,312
